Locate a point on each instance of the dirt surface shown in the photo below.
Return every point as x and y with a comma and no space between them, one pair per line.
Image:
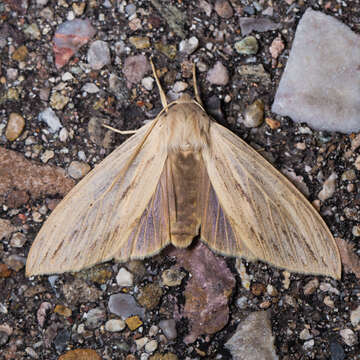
324,312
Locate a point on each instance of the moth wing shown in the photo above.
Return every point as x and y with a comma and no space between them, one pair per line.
267,215
111,207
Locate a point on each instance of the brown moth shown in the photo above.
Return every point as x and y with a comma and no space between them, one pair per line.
179,176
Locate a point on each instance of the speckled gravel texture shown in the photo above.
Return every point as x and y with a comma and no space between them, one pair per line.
44,317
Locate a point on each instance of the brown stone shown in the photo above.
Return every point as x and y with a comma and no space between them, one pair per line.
133,322
80,354
150,296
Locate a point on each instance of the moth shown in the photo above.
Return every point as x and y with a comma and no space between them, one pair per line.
180,176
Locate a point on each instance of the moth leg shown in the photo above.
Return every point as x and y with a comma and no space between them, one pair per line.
161,91
122,132
196,88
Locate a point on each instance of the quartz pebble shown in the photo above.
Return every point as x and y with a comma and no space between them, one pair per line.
90,88
349,337
98,54
78,169
124,305
151,346
355,316
124,278
148,83
115,325
168,327
218,75
188,46
254,114
49,117
18,240
328,187
311,286
15,126
95,317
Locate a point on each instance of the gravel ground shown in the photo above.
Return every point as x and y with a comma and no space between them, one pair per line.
56,100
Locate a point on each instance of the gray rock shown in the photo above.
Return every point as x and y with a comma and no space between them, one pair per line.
49,117
188,46
321,83
168,327
218,75
124,305
249,24
98,55
95,317
253,339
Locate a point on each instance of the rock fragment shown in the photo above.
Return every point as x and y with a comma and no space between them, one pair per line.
135,68
15,126
218,75
98,55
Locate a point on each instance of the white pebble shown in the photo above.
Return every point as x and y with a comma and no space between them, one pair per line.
124,278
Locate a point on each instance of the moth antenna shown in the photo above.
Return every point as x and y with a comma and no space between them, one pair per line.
161,91
196,88
122,132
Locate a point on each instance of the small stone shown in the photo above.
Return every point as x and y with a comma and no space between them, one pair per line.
80,354
15,262
148,83
258,289
63,311
172,277
58,101
124,278
5,271
33,31
47,155
12,74
328,188
348,175
305,334
223,9
133,322
15,126
349,337
98,55
20,53
150,296
311,286
309,344
78,8
140,343
90,88
258,24
337,352
6,228
31,352
95,317
153,330
271,290
254,114
168,50
188,46
78,291
140,42
124,305
115,325
247,46
218,75
286,281
355,316
151,346
276,48
63,135
180,86
18,240
135,67
166,356
329,302
356,230
78,170
168,327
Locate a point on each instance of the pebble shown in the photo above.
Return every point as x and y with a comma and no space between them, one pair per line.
12,74
223,9
244,276
188,46
150,296
47,155
20,53
168,327
151,346
168,50
78,169
348,175
140,42
98,54
247,46
18,240
356,230
31,352
90,88
337,352
329,302
277,47
79,291
49,117
4,337
95,317
135,67
180,86
69,37
305,334
124,278
311,286
349,337
328,188
257,24
33,31
254,114
286,281
153,330
78,8
58,101
218,75
115,325
63,134
140,343
133,322
63,310
15,262
80,354
172,277
124,305
271,290
355,316
148,83
5,272
15,126
309,344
